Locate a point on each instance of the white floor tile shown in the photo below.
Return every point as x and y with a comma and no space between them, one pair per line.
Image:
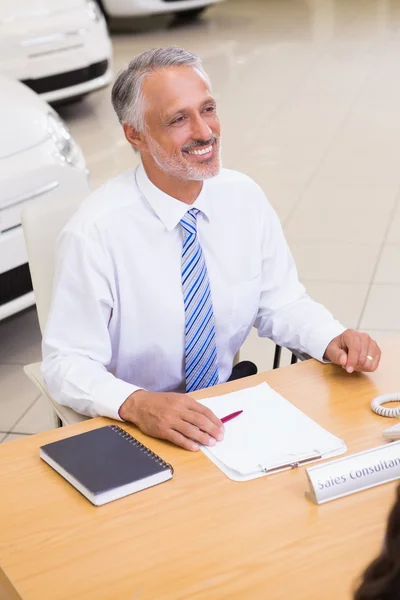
394,231
388,270
344,300
17,394
359,198
11,437
20,339
361,159
332,262
334,224
36,419
383,308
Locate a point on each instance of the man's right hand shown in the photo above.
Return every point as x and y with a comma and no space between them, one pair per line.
173,417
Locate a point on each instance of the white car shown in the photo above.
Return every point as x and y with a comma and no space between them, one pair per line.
125,8
59,48
38,158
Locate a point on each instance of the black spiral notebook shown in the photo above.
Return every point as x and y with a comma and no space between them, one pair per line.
106,464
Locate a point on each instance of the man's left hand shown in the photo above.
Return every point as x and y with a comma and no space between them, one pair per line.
354,351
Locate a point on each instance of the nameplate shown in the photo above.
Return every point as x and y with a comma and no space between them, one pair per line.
354,473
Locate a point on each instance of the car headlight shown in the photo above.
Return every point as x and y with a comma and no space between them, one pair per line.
94,11
66,149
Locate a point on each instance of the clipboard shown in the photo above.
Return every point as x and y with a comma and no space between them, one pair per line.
271,435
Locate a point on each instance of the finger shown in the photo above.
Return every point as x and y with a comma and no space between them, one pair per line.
204,423
353,356
365,362
180,440
194,433
342,358
335,352
375,353
203,410
377,358
363,353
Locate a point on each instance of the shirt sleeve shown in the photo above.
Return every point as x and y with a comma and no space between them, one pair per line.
76,344
286,313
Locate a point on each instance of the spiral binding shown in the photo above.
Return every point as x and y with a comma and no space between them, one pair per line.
393,413
127,436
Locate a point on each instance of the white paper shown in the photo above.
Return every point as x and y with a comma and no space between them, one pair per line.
270,432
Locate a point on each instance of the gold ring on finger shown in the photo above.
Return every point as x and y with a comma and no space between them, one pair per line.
369,357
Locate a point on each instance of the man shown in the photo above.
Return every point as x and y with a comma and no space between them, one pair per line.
163,271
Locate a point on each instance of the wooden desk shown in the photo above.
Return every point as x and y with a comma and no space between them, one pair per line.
200,536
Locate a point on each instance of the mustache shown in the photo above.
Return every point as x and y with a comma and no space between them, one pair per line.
199,144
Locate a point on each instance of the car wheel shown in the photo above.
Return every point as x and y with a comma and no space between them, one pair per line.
15,283
190,15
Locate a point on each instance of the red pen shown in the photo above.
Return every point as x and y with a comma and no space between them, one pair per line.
231,416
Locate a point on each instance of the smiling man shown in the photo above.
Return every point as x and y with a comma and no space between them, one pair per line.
163,271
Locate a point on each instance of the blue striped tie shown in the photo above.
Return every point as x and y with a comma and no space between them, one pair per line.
200,346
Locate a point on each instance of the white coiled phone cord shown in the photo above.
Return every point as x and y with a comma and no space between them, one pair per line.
393,413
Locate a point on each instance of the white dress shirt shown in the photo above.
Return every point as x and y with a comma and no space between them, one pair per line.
117,321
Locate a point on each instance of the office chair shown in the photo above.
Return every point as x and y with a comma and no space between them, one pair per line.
296,356
42,222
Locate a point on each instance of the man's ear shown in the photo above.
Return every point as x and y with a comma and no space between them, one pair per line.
134,137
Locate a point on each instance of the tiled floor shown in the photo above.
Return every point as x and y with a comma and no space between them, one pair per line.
309,101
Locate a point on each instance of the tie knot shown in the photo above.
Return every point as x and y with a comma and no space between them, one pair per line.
188,222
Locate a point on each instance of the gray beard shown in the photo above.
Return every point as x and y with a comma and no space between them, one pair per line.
178,169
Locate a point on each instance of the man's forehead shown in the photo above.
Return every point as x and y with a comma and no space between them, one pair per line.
169,88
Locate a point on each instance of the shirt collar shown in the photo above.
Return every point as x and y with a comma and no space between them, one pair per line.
168,209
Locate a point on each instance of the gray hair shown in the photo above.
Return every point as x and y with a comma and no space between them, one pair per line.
127,96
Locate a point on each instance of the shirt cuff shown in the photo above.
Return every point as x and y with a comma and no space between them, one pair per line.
318,342
112,396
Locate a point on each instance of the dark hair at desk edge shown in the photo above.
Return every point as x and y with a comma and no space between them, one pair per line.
381,579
